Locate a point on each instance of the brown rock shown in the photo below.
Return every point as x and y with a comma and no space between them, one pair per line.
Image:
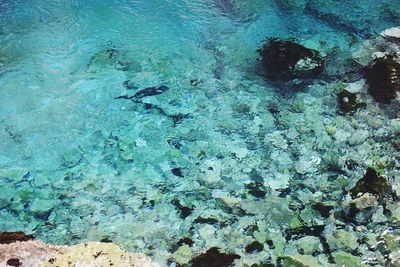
11,237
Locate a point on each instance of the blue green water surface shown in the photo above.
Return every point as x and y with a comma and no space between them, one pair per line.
256,158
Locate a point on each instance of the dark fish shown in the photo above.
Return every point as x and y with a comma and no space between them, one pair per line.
150,91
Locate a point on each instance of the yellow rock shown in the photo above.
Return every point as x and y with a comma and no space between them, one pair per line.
96,254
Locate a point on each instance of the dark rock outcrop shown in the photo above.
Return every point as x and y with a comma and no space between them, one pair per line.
383,78
214,258
11,237
372,183
256,189
348,102
254,247
287,60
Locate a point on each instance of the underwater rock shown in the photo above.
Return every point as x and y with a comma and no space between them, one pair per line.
345,259
348,102
177,172
301,261
286,60
214,258
42,207
339,65
257,189
309,245
383,78
185,241
324,210
372,183
394,212
11,237
111,58
301,231
392,34
364,201
254,247
183,255
342,240
360,210
183,211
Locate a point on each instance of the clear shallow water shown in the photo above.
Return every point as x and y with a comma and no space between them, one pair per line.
78,164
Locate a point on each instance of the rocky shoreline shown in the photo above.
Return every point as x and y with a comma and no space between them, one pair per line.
19,250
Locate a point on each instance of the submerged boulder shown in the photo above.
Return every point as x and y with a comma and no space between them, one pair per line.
214,258
286,60
112,58
372,183
348,102
383,78
301,261
392,34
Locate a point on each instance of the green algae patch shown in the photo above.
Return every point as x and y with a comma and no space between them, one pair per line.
345,259
300,261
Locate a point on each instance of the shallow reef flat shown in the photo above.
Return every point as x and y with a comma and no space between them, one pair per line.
203,133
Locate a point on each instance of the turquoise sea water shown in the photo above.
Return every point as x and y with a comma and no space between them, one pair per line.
223,157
